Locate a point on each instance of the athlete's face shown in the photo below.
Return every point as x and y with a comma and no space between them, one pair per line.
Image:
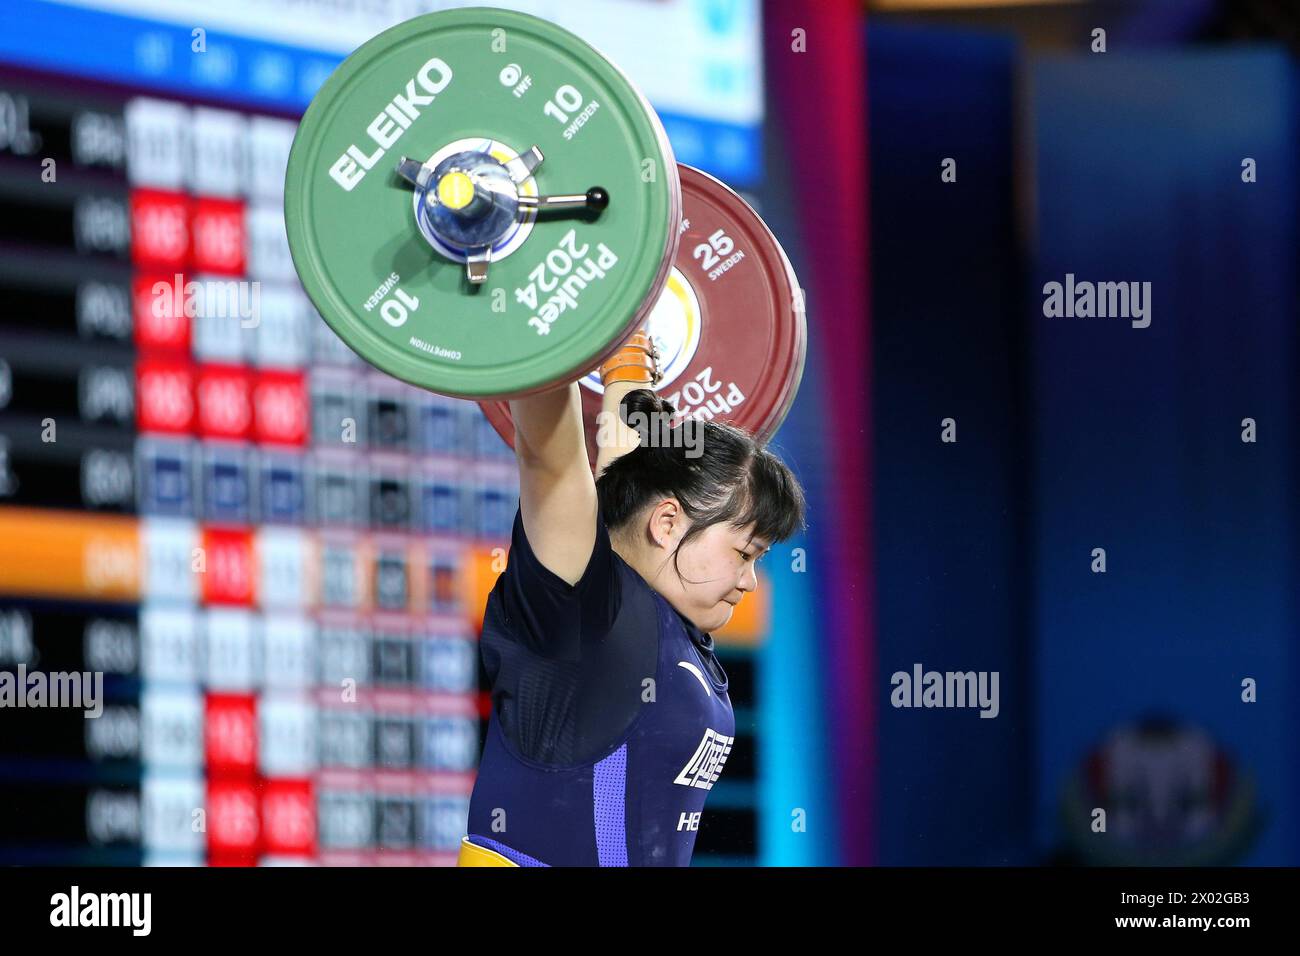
717,566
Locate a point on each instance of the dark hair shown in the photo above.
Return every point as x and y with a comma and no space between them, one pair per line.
735,478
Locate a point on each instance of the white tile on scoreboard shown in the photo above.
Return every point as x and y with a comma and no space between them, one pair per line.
169,639
173,831
269,140
286,730
167,858
232,659
281,339
220,144
268,243
289,649
169,548
287,566
220,333
171,727
157,133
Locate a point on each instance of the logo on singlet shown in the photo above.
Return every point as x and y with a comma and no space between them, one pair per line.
705,765
698,676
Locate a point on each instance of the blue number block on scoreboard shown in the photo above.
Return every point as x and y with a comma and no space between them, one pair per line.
227,483
282,488
444,426
442,507
166,470
441,497
494,512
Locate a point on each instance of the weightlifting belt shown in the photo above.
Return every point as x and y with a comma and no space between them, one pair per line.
471,854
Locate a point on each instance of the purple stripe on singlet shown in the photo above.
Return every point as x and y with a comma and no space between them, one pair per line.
514,856
608,788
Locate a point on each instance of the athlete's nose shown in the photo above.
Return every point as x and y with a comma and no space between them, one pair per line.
749,579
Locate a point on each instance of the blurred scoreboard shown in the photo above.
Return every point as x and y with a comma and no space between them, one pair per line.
275,557
209,500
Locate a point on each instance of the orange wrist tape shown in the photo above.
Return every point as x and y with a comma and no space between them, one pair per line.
637,361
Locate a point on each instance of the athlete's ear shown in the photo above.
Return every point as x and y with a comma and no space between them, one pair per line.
667,523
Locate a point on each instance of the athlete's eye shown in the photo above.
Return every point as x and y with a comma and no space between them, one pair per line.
743,554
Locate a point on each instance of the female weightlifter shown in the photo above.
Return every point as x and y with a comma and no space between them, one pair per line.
610,717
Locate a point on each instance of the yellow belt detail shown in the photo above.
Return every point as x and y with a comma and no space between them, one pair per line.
471,854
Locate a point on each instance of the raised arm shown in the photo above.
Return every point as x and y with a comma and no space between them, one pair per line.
613,437
633,366
557,494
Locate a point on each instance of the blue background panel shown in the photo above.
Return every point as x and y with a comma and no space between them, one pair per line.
1137,432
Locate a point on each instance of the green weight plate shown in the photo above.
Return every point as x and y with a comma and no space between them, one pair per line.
562,289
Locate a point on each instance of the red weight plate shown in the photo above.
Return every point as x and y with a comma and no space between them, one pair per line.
729,325
792,386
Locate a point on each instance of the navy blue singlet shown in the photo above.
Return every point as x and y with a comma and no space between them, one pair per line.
610,717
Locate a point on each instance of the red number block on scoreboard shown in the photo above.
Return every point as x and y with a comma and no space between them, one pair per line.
229,568
160,228
218,231
281,408
225,401
164,389
158,311
230,734
288,818
234,824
